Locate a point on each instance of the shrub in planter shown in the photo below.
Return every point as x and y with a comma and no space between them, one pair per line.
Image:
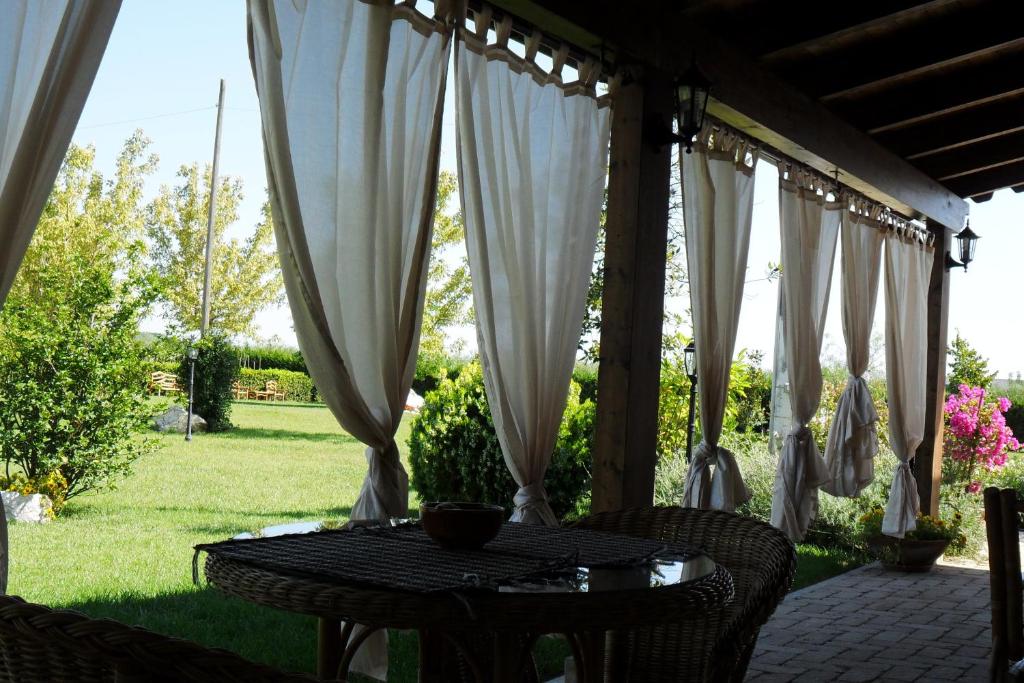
454,452
215,371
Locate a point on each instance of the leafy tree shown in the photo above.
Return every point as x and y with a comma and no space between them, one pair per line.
246,273
967,367
72,380
447,301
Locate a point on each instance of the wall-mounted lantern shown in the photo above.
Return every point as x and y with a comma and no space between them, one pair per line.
968,242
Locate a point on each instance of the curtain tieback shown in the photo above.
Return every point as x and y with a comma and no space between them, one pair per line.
531,496
801,434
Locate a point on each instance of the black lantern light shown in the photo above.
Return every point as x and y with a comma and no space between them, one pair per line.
968,242
692,91
690,367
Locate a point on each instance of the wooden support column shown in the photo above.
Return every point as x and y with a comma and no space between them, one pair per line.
636,230
928,460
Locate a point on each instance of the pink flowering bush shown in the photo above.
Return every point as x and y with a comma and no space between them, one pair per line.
976,434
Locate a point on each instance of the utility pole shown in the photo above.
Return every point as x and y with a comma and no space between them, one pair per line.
208,281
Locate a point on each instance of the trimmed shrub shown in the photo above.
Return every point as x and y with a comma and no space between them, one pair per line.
432,368
586,377
297,386
272,358
454,452
216,369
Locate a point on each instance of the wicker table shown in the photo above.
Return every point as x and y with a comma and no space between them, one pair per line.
590,584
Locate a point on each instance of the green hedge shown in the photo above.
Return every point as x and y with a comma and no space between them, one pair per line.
430,369
297,386
272,358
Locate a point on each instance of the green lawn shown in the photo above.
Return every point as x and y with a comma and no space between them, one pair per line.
127,554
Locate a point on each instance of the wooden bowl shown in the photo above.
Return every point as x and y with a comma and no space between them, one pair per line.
461,526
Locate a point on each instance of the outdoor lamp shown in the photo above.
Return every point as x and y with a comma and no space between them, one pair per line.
692,90
690,367
193,353
968,242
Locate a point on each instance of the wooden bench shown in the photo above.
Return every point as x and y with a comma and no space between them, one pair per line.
161,383
269,392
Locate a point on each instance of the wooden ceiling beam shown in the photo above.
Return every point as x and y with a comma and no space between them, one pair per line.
749,97
893,53
991,180
966,85
981,198
956,129
971,158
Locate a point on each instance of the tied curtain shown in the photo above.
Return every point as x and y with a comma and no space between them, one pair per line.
852,439
49,55
351,95
718,191
810,229
908,265
532,154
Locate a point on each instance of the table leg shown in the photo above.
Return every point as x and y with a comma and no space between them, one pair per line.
329,648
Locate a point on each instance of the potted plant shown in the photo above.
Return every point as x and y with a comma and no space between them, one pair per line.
919,549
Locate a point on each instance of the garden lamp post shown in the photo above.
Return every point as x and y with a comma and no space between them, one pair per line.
690,366
193,353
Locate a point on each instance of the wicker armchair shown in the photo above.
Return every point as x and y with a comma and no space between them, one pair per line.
718,647
42,644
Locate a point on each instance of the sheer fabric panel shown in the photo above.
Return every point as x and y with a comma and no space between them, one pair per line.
532,165
907,272
810,230
718,191
852,438
49,55
351,95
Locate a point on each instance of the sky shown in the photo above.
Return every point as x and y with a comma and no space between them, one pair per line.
161,73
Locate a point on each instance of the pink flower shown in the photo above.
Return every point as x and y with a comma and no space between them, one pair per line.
1004,404
974,487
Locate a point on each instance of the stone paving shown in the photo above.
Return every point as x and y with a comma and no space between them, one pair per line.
871,624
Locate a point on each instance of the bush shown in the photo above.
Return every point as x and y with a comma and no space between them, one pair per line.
272,358
586,377
215,371
72,380
454,452
297,386
431,368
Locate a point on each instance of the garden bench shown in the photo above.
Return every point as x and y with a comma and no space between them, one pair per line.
161,383
269,392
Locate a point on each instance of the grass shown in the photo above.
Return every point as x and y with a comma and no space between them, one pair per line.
127,554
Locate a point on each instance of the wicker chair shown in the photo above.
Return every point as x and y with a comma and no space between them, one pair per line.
42,644
718,647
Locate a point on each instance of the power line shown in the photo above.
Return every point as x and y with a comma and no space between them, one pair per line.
147,118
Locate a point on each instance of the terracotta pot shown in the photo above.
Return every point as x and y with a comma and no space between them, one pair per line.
907,554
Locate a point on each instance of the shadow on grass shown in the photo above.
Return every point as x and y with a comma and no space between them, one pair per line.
278,404
280,639
286,435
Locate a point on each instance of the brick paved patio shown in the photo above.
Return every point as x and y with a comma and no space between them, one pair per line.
875,625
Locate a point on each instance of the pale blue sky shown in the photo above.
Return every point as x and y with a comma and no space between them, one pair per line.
166,58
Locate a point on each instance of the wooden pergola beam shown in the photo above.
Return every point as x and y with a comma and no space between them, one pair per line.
930,93
991,180
955,129
978,156
749,97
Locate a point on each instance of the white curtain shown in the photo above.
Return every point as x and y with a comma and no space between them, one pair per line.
351,95
852,438
810,229
908,265
49,55
532,165
718,201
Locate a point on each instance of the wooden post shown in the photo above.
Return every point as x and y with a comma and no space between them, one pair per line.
928,460
636,230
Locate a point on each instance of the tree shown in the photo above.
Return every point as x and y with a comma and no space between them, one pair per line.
246,273
447,301
967,367
72,380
